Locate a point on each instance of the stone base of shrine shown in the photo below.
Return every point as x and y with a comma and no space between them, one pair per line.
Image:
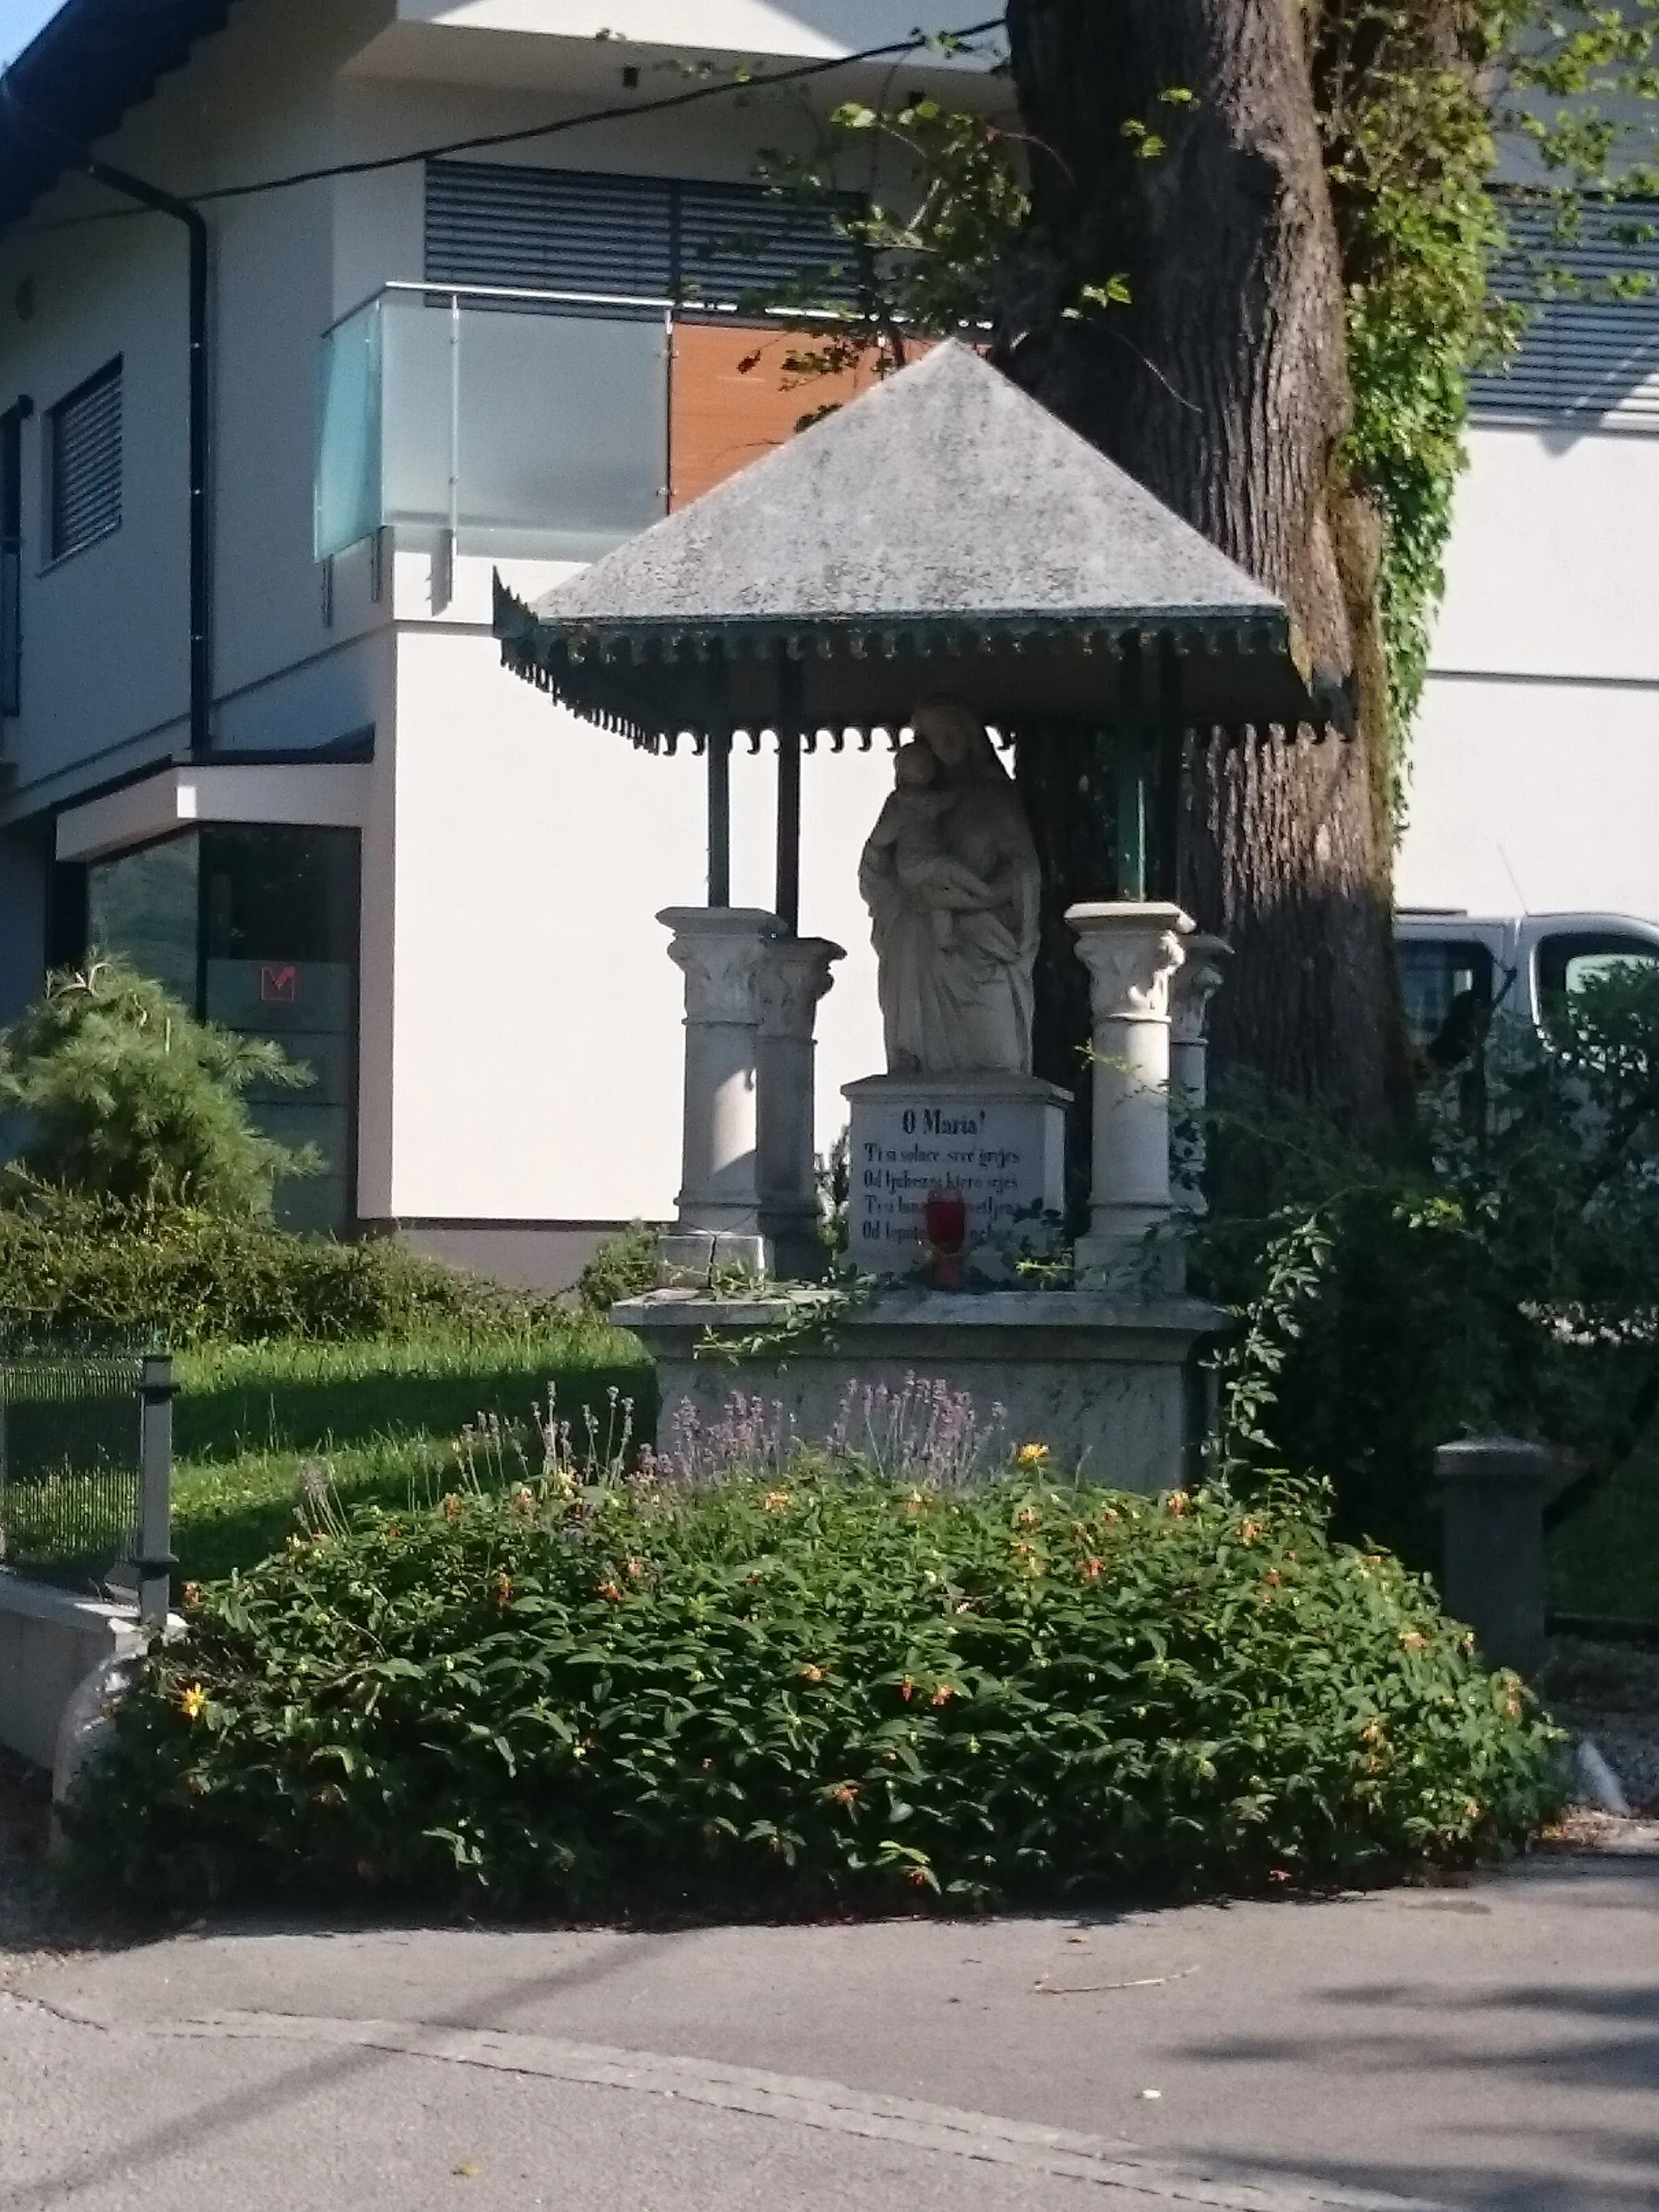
1113,1388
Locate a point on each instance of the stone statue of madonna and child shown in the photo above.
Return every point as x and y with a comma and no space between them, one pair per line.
950,877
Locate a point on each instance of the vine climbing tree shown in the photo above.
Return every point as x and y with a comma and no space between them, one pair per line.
1249,247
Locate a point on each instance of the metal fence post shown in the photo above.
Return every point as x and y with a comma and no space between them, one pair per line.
1491,1493
155,1559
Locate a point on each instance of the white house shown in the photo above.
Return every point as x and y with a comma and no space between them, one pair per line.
439,240
380,845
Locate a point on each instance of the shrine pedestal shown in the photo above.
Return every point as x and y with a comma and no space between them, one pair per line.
999,1140
1112,1387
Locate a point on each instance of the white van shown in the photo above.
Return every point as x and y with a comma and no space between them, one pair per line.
1457,969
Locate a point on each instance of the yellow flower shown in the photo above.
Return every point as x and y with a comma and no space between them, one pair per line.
192,1594
812,1673
942,1695
194,1699
1413,1641
1031,1454
1178,1502
775,1500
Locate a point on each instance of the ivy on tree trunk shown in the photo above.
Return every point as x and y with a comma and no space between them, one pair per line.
1174,154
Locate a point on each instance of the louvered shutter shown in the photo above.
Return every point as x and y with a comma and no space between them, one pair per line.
735,240
85,464
568,230
548,230
1591,360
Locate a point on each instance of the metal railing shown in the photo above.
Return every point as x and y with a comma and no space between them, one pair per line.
85,1468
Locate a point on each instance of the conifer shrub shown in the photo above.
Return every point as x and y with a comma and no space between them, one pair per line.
802,1683
119,1091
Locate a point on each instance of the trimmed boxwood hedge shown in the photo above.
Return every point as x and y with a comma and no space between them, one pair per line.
73,1266
773,1692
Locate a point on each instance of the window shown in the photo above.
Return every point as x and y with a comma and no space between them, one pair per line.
1565,964
83,464
11,559
1446,987
1591,349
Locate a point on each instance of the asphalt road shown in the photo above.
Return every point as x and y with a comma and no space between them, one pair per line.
1490,2045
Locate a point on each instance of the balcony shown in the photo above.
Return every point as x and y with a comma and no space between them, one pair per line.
539,425
519,424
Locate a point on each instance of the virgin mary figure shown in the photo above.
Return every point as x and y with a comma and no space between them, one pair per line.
950,877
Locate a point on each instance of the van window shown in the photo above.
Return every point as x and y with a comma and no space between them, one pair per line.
1566,964
1446,985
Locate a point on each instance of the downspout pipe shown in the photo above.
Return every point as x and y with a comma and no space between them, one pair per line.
201,545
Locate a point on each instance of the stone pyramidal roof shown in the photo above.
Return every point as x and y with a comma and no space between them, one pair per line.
945,493
944,515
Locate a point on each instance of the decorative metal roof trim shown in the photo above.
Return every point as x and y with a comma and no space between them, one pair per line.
530,641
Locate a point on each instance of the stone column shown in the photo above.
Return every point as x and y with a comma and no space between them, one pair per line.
794,975
1196,982
720,950
1491,1496
1131,949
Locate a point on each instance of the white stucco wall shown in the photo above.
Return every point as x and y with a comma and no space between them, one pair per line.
1534,766
537,1023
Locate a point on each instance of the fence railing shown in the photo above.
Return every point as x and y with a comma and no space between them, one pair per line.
86,1471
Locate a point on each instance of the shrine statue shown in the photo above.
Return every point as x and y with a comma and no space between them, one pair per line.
950,875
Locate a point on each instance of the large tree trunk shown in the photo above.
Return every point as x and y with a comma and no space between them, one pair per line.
1222,387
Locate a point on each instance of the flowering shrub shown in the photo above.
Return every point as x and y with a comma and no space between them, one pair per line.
923,1431
803,1682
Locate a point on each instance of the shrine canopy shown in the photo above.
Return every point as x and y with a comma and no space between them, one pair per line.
946,534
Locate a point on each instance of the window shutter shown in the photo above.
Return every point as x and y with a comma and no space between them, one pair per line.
569,230
1593,361
548,230
85,464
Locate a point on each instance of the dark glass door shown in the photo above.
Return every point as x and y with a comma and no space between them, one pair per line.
279,960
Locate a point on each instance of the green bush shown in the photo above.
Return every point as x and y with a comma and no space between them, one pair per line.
124,1095
779,1690
1493,1270
625,1265
71,1264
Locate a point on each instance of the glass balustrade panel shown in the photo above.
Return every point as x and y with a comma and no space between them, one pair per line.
536,433
347,493
563,432
420,356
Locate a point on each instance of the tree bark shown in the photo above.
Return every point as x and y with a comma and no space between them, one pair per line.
1222,387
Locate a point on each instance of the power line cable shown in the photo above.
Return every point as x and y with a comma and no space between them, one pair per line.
619,112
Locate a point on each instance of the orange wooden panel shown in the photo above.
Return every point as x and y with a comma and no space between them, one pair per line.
724,418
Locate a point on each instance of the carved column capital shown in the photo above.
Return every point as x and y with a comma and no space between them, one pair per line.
794,975
1133,952
1200,977
718,950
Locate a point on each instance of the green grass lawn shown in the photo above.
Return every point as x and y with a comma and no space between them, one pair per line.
381,1419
